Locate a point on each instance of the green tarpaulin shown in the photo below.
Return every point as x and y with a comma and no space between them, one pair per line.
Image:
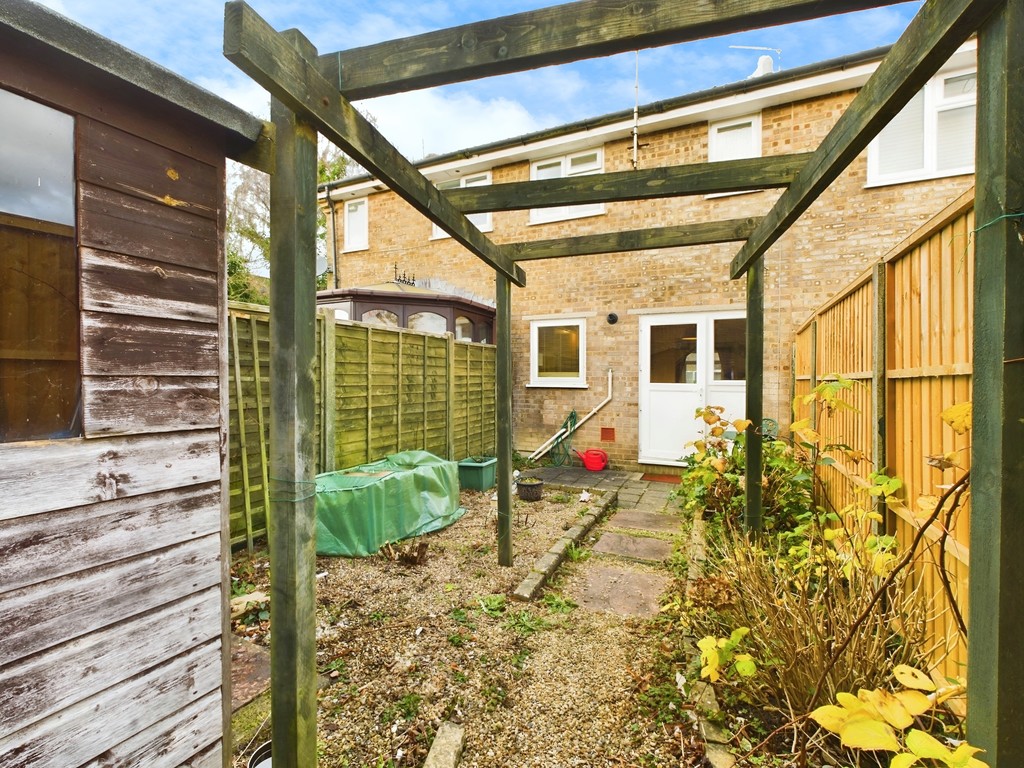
359,510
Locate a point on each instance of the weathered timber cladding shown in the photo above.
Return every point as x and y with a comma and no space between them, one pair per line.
390,390
927,328
112,545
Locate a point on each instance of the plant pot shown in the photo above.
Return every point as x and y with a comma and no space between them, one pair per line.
261,757
530,489
478,472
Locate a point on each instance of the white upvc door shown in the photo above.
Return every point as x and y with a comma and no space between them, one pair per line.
687,361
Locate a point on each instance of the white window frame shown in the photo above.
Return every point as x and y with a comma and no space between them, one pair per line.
935,102
482,221
569,382
566,212
715,147
357,229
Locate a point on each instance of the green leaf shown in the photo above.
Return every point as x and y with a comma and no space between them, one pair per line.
745,665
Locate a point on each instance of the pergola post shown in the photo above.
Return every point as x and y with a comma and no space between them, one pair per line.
503,336
752,521
996,674
292,458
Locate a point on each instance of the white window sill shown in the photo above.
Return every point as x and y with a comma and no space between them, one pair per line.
533,223
910,178
355,250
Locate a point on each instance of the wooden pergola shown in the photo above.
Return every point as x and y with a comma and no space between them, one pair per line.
312,94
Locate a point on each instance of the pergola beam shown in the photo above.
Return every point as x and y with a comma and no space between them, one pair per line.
556,35
645,184
268,58
932,36
702,233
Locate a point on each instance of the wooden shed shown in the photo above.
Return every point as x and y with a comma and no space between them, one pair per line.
113,539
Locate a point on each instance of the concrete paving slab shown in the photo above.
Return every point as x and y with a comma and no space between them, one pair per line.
645,521
621,591
633,547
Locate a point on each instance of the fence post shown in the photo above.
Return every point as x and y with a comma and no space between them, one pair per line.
328,391
243,443
451,398
755,395
880,378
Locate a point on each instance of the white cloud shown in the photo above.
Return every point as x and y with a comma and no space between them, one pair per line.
429,122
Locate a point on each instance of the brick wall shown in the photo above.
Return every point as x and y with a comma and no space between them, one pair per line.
840,236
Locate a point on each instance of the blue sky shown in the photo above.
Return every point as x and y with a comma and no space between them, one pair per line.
186,36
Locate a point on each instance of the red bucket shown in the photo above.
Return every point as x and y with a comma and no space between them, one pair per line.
594,459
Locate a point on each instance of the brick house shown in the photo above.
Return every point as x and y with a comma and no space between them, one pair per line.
669,323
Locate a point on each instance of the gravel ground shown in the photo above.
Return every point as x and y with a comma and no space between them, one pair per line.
406,647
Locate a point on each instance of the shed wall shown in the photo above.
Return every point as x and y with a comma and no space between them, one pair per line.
112,544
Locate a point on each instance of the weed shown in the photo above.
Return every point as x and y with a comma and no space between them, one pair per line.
520,658
525,623
574,553
561,497
406,708
494,695
458,639
492,605
663,702
378,617
338,665
461,616
459,676
558,603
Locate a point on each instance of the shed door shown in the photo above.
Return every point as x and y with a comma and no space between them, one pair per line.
687,361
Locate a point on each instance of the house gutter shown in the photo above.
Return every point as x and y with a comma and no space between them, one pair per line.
564,433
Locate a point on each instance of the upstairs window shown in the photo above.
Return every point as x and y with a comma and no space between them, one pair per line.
558,353
357,225
932,137
734,139
40,382
481,221
566,166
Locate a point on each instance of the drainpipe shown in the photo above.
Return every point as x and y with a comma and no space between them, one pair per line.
334,226
566,433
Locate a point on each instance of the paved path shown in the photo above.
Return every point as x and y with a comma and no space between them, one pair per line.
627,575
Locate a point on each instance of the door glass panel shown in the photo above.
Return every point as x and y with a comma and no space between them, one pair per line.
731,350
673,356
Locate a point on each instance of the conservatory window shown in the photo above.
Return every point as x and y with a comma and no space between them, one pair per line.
40,381
429,322
566,166
558,353
463,328
932,137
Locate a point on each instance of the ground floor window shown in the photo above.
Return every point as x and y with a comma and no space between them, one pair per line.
558,353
